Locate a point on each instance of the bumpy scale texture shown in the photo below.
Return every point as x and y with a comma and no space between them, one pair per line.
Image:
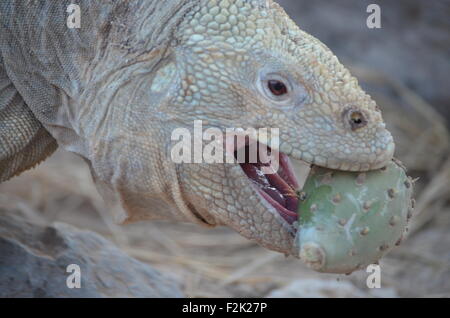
114,90
349,220
228,46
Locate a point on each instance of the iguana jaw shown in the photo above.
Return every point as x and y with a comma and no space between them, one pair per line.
270,197
253,216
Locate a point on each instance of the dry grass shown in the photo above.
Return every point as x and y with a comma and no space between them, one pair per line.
218,262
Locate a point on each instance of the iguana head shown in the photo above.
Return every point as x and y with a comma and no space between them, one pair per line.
246,64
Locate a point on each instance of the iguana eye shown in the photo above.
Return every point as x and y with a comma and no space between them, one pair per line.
277,88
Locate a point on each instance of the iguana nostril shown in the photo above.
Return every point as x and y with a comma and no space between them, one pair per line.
357,119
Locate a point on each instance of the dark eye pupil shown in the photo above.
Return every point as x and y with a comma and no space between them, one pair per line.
277,88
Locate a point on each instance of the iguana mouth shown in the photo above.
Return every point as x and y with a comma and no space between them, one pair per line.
280,188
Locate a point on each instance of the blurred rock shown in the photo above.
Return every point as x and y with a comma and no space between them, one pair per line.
34,258
327,288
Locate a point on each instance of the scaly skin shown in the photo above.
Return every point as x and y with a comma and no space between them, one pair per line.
235,43
137,70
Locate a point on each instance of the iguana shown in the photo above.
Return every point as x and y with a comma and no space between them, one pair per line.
113,90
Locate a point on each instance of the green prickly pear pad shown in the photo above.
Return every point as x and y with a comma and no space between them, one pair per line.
349,220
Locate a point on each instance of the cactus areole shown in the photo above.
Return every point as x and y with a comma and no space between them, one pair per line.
349,220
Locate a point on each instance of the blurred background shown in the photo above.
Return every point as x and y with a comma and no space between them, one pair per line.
405,66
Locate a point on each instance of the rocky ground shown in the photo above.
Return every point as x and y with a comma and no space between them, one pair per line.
404,66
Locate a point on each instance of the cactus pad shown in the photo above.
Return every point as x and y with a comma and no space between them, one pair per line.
349,220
